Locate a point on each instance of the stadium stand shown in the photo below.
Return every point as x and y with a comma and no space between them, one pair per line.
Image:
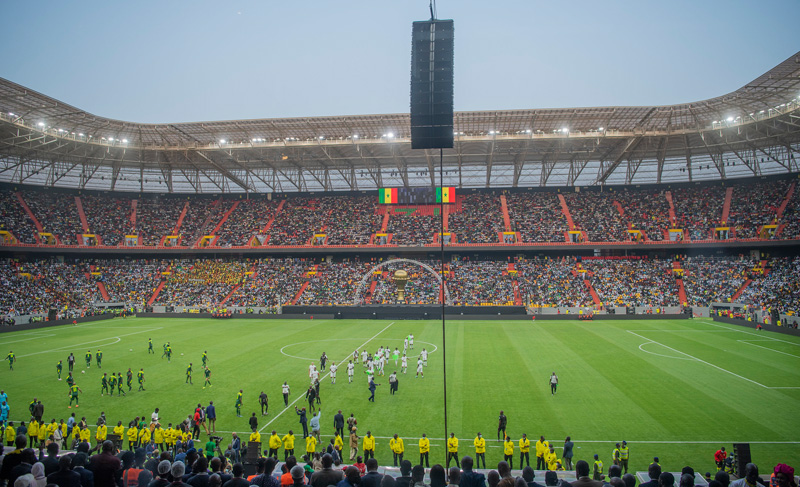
537,216
595,214
156,217
14,219
698,210
272,283
57,213
480,219
249,218
754,205
351,220
413,225
645,209
550,283
778,289
633,282
709,280
108,217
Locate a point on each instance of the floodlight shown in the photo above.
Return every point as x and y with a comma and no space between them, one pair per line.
730,119
221,141
41,124
600,129
124,141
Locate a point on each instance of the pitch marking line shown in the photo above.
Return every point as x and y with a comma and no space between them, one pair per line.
749,342
300,396
659,354
701,361
68,347
28,339
753,334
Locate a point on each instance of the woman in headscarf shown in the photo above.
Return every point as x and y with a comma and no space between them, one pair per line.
37,470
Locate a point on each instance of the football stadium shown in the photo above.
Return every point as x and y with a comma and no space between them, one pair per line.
190,303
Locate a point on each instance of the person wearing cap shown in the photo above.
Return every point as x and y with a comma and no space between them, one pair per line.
623,456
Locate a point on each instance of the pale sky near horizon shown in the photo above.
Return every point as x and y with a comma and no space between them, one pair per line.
184,61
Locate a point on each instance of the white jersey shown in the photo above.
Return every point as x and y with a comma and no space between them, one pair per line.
285,388
370,379
355,355
314,375
554,379
350,368
424,355
387,353
380,362
411,340
405,361
380,351
311,370
334,368
370,368
405,344
364,356
419,366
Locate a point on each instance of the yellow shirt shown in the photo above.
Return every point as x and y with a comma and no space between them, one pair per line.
542,447
396,445
158,435
144,436
274,442
133,434
33,429
86,435
42,432
311,444
338,443
101,433
288,442
452,445
255,436
551,458
508,447
10,434
480,444
424,445
119,431
369,442
524,445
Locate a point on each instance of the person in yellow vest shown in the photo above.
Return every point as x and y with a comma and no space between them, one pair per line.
10,434
552,459
288,445
338,444
508,451
76,434
424,450
158,436
623,456
43,433
144,436
524,451
33,433
169,436
480,450
452,450
597,470
369,446
397,447
63,427
311,446
615,455
86,436
274,444
133,437
542,447
101,434
255,436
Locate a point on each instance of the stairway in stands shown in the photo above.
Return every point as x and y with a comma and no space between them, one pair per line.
677,272
81,214
515,284
160,286
782,208
741,289
30,214
228,296
506,217
726,208
586,282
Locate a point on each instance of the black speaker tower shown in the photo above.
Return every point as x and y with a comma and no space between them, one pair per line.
432,84
741,451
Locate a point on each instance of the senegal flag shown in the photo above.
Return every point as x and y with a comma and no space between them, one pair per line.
387,196
446,195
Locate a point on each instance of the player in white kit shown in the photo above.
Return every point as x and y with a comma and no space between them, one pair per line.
405,344
364,355
333,369
424,357
350,368
381,362
355,356
404,363
419,369
411,341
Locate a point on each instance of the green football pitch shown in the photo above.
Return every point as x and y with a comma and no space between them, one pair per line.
677,389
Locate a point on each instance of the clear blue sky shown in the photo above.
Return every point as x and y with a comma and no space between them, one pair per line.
181,60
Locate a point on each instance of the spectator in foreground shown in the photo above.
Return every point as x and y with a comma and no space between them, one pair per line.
582,473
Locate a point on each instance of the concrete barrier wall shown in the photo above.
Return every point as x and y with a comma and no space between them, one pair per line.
752,324
48,324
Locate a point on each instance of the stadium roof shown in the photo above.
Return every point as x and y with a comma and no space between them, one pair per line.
752,131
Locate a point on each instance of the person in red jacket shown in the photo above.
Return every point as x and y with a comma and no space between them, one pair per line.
719,458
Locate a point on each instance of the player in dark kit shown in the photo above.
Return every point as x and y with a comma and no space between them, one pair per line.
88,358
119,385
207,372
501,425
140,376
99,357
263,400
150,346
189,374
59,368
71,361
104,385
11,359
130,379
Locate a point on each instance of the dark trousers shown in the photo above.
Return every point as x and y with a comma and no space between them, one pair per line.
503,429
540,463
452,455
568,463
339,431
286,400
510,460
264,408
624,464
305,429
273,452
287,454
553,388
398,458
425,456
368,454
478,458
526,457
